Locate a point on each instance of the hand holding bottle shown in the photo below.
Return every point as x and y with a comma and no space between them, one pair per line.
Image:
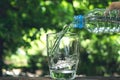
113,6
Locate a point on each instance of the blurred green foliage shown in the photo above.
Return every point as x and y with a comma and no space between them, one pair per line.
25,23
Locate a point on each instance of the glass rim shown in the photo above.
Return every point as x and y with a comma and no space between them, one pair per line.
59,33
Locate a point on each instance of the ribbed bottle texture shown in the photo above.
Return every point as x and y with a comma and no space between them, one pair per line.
99,21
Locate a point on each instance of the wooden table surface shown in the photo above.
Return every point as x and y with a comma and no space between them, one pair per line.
47,78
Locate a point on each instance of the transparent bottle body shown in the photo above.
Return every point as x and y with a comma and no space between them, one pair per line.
97,21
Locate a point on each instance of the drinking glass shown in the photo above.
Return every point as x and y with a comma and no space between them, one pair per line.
63,55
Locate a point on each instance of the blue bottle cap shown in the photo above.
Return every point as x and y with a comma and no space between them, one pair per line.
79,21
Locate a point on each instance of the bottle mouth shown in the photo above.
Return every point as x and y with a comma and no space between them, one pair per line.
78,21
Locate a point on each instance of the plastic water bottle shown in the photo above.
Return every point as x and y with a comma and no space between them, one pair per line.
99,21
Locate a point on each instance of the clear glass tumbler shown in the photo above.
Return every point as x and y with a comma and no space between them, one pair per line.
63,55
